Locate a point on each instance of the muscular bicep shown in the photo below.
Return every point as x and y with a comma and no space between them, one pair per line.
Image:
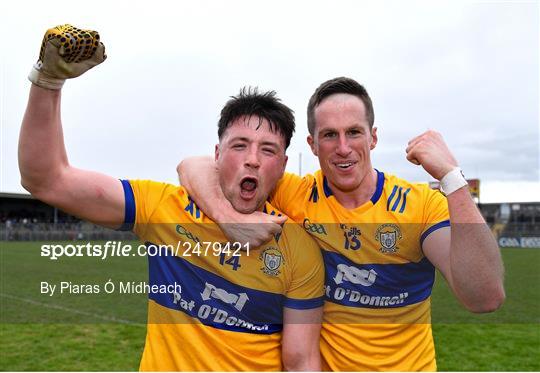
87,195
436,247
47,174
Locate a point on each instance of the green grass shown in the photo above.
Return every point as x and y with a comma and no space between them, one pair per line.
71,347
23,269
522,286
78,333
487,347
75,332
506,340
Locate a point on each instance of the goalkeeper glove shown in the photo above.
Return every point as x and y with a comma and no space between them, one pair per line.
66,52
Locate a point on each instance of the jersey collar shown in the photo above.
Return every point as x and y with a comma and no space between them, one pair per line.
374,198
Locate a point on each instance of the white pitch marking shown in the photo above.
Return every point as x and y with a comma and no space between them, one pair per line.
54,306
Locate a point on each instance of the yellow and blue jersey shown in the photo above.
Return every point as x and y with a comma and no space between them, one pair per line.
224,312
378,281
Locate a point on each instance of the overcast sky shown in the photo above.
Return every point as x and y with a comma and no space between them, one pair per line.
469,70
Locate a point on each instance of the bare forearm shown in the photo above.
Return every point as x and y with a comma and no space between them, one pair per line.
475,261
200,178
42,154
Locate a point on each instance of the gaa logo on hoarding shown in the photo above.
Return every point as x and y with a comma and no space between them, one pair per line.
509,242
522,242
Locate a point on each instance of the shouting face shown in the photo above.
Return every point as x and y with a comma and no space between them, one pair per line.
250,159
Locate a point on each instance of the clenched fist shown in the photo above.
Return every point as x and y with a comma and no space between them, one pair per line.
66,52
431,152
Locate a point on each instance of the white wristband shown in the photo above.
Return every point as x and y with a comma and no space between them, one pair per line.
43,80
453,181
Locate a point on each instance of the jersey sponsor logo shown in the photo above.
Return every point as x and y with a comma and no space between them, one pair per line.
376,285
352,237
354,275
237,300
272,260
218,317
314,228
354,297
214,301
388,236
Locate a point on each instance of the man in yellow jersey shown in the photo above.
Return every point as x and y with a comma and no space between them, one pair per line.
381,236
228,309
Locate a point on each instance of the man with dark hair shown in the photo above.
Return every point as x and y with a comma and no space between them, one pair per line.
264,105
335,86
227,310
381,236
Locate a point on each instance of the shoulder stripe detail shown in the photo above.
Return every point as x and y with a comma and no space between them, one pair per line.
391,197
433,228
396,203
129,207
380,184
398,199
193,209
314,196
326,188
303,304
404,200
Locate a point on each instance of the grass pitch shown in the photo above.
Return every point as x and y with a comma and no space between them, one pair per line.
104,332
506,340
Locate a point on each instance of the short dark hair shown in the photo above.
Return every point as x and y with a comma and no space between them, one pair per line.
339,85
265,105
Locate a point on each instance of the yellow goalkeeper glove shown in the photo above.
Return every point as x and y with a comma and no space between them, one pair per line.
66,52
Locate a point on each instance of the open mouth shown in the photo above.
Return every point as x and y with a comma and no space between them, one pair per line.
344,165
248,186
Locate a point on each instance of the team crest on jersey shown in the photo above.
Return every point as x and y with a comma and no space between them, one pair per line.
388,235
272,260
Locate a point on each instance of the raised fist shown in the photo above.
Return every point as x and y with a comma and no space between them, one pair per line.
66,52
431,152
